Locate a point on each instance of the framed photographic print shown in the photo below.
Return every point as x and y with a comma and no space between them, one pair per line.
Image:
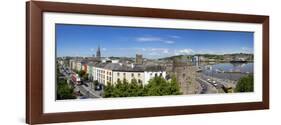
95,62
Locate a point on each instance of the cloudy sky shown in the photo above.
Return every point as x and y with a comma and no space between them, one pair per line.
83,40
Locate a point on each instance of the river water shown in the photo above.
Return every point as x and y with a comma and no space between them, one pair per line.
230,71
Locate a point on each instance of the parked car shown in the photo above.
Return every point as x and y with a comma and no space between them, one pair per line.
98,87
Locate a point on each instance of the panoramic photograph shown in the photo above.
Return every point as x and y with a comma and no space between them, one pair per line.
112,62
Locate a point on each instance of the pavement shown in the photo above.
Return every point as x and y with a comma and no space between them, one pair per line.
87,90
206,86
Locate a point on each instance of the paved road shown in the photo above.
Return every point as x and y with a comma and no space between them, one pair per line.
222,83
88,92
206,86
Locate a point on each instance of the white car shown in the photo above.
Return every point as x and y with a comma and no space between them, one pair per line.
214,83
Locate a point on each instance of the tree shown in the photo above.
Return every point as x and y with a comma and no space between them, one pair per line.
245,84
174,87
96,82
85,76
157,86
64,91
108,90
81,73
136,88
121,89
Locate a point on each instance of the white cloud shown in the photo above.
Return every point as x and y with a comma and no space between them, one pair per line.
92,49
169,42
161,50
149,52
184,52
104,49
154,39
143,49
149,39
166,51
247,50
157,49
154,54
157,52
208,52
175,36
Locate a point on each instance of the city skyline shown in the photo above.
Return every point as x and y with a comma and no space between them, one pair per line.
83,40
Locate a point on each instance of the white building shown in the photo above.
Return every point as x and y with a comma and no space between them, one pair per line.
128,75
78,66
61,62
151,74
112,72
115,61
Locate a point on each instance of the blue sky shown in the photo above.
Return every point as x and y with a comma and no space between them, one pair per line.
83,40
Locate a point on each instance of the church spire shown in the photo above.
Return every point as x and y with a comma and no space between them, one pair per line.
98,54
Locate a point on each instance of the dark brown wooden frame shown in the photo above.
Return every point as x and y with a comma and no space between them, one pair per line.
34,61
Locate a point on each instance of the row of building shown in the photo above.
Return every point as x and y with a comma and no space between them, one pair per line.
112,71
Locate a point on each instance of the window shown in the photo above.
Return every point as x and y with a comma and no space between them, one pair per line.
132,74
139,74
118,74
